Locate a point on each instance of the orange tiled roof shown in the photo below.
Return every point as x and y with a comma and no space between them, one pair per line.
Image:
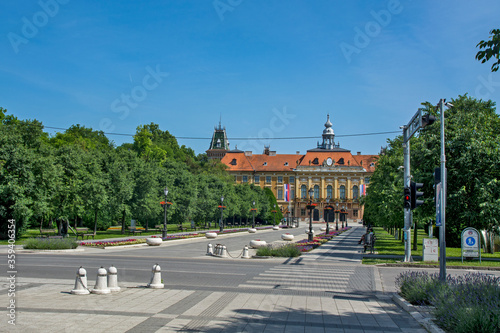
278,162
311,156
366,160
237,161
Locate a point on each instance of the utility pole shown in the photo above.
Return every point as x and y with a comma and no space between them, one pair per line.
442,210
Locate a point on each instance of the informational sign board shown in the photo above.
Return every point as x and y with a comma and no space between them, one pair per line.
132,223
438,205
430,249
471,244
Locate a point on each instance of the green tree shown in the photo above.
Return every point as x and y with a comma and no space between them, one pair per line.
491,49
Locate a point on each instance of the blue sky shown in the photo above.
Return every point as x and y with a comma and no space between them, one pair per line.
268,68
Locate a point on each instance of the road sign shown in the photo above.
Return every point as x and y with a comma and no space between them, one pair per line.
430,249
438,205
471,244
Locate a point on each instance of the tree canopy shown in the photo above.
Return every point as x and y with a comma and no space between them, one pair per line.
80,177
491,49
472,135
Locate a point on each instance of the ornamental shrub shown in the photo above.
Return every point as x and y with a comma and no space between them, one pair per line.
50,244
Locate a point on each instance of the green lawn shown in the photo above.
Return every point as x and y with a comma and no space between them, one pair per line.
171,228
388,245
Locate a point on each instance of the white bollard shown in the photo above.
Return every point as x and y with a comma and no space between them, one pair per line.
217,250
81,282
224,252
156,278
245,254
101,283
113,279
210,250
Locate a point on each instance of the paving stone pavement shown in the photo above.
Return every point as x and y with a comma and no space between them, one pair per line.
327,290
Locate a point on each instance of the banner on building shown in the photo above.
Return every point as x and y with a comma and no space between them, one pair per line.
287,192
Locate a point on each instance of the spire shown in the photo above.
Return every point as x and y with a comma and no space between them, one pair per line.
328,136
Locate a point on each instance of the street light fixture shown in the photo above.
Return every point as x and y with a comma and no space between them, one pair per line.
221,223
328,208
310,206
337,213
164,232
345,216
274,211
253,212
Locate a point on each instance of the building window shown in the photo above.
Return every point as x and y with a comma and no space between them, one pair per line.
256,179
303,192
329,191
292,194
292,179
280,179
372,164
355,192
316,192
268,179
280,194
367,180
342,192
302,212
355,213
245,179
286,163
265,163
235,179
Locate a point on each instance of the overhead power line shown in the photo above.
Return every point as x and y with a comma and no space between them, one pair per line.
252,138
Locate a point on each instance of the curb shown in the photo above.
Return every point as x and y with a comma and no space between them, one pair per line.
426,322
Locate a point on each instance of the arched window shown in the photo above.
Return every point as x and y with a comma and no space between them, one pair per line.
355,192
329,192
303,192
316,192
342,192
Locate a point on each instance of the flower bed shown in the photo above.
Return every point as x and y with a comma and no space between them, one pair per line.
306,246
130,241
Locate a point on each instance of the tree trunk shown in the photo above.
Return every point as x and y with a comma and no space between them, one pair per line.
147,225
123,222
95,222
41,224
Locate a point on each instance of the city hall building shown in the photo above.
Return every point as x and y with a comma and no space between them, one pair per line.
333,174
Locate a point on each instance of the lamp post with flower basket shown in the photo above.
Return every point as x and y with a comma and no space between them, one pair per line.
337,217
328,208
310,206
274,212
165,205
221,207
253,210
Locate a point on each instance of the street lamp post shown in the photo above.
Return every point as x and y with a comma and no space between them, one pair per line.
342,216
164,232
311,206
337,219
253,217
274,211
345,216
328,208
221,223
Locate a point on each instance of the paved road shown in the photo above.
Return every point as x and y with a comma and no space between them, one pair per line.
327,290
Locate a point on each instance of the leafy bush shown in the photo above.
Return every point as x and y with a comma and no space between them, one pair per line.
50,244
288,250
415,286
471,303
468,303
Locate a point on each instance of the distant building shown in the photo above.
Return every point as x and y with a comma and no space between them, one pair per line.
330,171
219,145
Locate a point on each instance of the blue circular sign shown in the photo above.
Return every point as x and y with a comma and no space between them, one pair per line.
470,241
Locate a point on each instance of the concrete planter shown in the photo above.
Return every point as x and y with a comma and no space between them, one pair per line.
307,231
256,243
322,228
276,227
211,235
252,230
154,241
287,237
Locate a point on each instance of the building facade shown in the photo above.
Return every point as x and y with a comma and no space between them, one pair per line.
330,173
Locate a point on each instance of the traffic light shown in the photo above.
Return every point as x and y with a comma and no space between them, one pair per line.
415,194
428,119
407,198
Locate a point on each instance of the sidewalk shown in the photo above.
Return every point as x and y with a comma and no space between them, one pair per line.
326,290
